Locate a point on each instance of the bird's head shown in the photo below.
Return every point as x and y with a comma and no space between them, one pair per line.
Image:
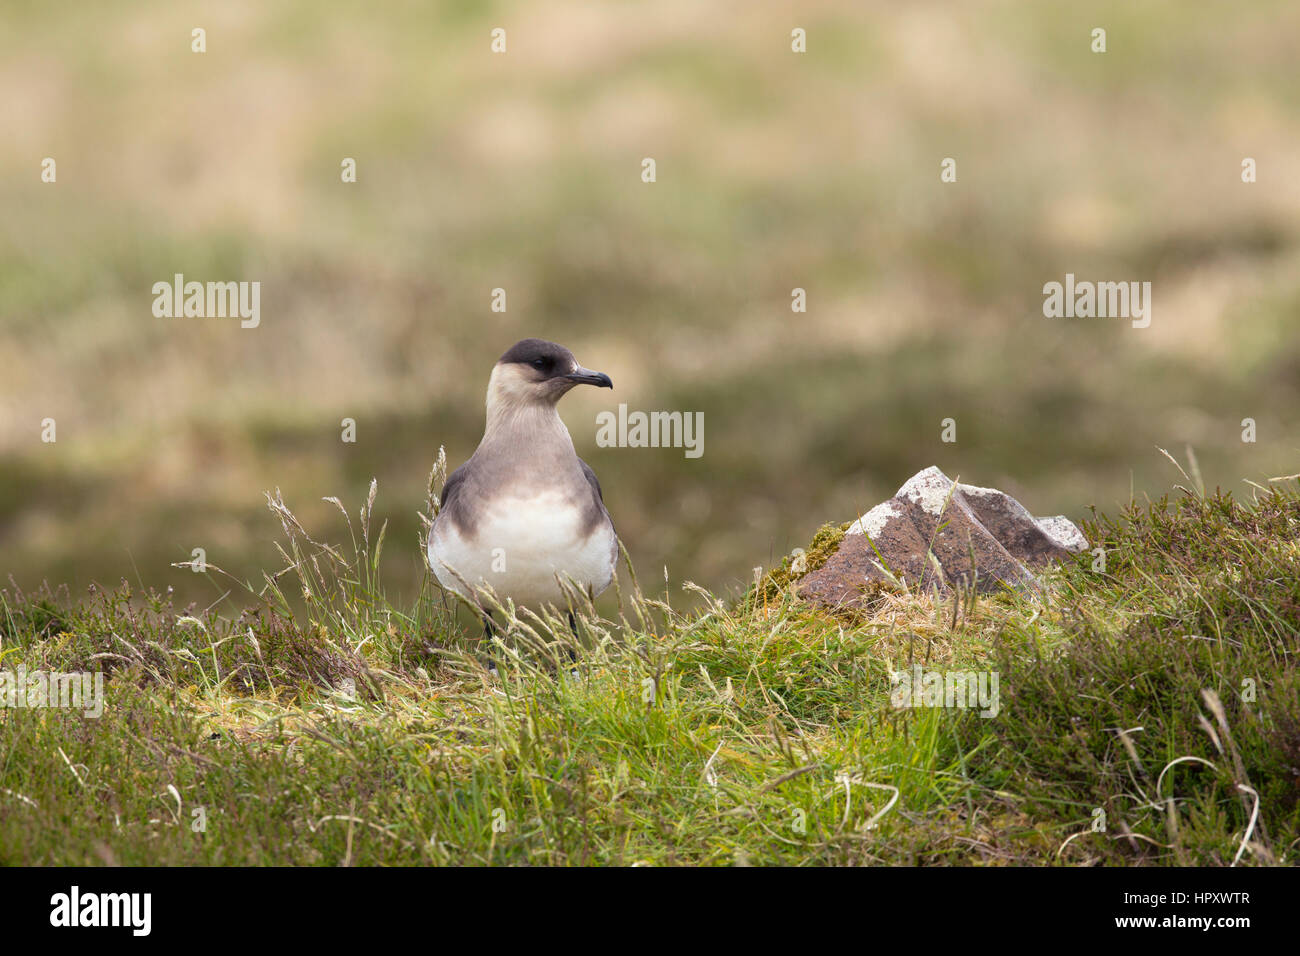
534,372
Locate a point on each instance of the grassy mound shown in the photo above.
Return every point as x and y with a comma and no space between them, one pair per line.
1149,713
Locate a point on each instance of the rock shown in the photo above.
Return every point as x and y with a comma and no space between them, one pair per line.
935,534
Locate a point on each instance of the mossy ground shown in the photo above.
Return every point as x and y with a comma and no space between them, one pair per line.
1150,714
774,583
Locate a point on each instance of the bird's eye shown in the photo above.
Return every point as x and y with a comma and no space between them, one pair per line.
539,363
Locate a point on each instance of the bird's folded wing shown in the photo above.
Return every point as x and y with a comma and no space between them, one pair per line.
591,480
451,487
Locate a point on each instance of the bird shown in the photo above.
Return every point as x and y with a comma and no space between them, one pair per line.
525,513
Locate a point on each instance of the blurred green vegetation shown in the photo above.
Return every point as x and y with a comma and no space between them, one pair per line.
522,171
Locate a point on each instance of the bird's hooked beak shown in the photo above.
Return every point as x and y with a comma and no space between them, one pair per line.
585,376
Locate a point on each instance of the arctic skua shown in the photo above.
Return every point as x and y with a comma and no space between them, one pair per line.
525,513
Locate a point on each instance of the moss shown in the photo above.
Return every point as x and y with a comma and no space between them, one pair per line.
778,580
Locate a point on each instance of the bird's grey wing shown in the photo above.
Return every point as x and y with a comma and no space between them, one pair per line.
448,501
600,498
591,480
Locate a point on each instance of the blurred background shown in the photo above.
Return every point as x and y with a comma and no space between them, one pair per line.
522,171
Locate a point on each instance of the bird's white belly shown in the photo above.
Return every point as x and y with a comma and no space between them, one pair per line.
519,546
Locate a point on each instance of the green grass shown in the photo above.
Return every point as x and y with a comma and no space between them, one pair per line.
324,725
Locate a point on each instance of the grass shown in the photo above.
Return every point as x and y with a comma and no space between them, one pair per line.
1150,714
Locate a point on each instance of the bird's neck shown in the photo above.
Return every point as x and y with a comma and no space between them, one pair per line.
525,424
